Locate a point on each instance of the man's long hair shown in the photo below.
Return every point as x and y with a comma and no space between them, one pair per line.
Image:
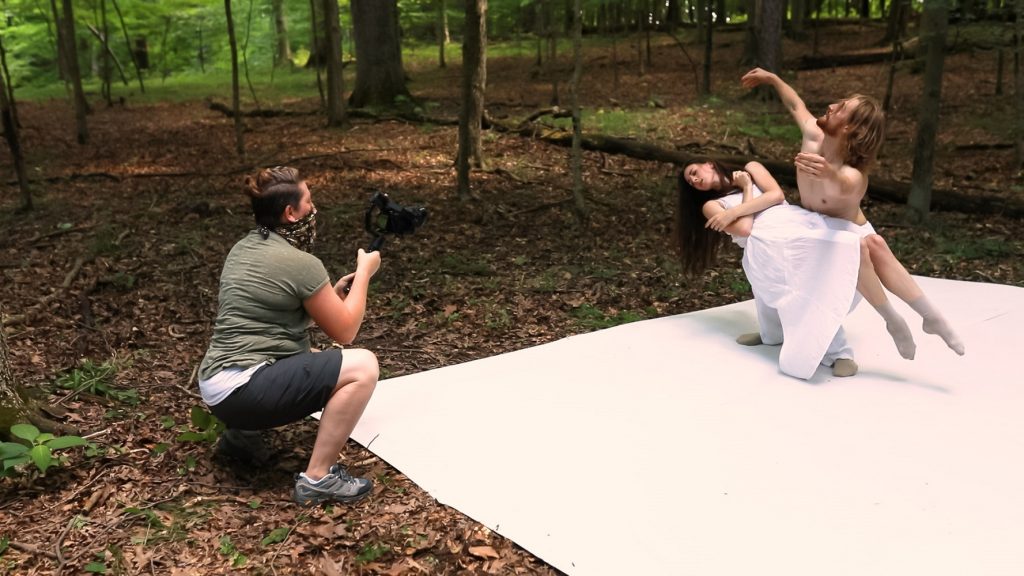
698,246
866,132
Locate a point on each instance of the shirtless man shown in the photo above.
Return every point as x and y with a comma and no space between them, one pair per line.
836,153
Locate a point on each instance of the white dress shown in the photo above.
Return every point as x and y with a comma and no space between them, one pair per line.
802,268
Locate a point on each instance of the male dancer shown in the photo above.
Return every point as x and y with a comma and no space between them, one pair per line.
836,152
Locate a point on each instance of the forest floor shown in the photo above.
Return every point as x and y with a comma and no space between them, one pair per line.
118,266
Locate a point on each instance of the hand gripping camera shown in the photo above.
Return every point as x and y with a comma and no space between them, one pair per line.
384,216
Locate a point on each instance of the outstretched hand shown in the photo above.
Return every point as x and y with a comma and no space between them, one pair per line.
814,165
756,77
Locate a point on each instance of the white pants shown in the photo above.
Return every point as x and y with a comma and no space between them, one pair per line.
803,272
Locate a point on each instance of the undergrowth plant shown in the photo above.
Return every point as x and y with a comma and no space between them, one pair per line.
206,427
39,449
96,379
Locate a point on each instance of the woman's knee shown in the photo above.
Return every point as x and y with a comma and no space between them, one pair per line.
359,366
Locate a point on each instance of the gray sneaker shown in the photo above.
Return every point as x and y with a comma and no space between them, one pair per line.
245,445
337,485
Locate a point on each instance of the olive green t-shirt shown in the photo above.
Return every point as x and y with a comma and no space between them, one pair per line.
260,315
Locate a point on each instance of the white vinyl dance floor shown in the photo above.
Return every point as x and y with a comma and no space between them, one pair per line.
663,447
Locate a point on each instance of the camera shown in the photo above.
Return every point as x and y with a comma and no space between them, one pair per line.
385,216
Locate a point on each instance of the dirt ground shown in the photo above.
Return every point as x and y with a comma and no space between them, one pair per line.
120,260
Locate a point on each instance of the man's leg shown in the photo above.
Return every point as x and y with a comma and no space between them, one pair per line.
870,286
896,278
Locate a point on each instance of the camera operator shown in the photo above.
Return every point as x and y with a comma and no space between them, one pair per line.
259,371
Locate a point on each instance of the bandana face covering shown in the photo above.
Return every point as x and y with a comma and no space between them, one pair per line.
299,234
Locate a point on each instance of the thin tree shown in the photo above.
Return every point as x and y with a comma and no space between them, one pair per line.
380,79
67,24
1018,84
934,22
474,82
283,53
245,56
105,62
314,59
580,205
709,19
442,32
337,114
128,45
236,105
9,115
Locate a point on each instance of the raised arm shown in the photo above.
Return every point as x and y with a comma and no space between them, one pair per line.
790,99
339,315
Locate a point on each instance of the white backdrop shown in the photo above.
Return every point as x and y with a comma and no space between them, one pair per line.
663,447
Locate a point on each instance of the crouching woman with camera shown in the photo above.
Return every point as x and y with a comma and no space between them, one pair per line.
259,372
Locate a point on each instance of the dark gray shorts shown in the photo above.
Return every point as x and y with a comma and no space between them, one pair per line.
283,392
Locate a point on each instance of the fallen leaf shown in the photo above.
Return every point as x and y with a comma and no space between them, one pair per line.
483,552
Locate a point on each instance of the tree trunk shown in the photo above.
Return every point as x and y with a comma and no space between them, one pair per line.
235,96
335,81
750,38
769,35
708,17
380,79
283,52
1018,84
796,18
9,115
934,22
12,407
133,51
106,67
74,73
580,206
899,16
442,32
474,82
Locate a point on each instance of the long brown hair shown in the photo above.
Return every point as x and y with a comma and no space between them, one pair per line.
866,132
271,191
698,246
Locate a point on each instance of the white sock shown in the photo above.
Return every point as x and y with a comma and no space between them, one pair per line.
935,323
898,329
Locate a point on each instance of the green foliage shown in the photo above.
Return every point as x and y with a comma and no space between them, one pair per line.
276,536
205,427
372,552
227,548
968,248
589,317
96,379
39,449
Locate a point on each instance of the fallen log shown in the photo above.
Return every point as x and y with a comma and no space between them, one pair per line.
879,189
819,61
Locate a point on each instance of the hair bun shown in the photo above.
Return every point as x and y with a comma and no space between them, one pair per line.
252,188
